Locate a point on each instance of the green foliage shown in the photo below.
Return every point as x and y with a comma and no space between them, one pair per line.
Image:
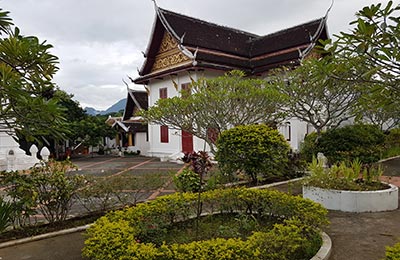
256,150
371,53
393,253
290,240
55,188
20,189
105,193
313,97
73,111
354,176
392,143
137,232
91,130
47,189
6,211
217,104
364,142
187,181
308,148
26,89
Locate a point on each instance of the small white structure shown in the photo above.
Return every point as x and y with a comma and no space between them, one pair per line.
13,158
354,201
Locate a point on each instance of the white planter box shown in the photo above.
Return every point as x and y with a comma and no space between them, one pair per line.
354,201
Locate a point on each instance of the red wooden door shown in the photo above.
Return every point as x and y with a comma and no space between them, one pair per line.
187,142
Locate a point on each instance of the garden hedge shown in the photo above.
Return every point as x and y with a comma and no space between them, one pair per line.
393,252
255,150
365,142
123,234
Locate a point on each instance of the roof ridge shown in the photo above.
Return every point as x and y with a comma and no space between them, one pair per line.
287,29
210,23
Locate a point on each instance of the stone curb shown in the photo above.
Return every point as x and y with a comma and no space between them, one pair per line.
277,183
388,159
44,236
325,251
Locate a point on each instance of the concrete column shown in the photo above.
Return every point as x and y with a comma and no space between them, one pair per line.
117,141
130,139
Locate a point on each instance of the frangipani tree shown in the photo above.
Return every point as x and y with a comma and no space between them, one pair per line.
372,52
217,104
312,96
26,89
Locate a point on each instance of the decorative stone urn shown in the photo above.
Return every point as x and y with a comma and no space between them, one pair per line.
354,201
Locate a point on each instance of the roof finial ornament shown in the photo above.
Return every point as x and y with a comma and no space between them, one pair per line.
126,84
155,4
313,38
183,36
130,92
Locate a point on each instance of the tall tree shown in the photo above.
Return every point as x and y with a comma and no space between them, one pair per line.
372,50
217,104
314,97
91,131
27,105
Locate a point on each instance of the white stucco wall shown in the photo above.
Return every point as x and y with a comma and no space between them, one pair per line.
173,148
298,130
140,143
15,160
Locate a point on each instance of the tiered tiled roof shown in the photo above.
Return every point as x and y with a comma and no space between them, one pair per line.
214,46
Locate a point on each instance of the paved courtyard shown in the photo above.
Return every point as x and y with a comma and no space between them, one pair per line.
361,236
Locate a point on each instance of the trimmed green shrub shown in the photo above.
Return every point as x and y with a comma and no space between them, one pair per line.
393,253
187,181
256,150
309,148
137,232
364,142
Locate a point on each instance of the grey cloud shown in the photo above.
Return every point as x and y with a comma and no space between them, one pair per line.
99,42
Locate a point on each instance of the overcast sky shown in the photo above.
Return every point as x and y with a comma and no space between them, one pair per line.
99,42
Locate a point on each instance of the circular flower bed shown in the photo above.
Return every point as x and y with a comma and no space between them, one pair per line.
125,234
354,201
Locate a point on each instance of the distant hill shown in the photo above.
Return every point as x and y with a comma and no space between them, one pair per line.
120,105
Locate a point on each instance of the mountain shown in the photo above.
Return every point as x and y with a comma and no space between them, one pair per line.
120,105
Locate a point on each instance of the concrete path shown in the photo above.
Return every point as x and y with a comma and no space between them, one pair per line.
66,247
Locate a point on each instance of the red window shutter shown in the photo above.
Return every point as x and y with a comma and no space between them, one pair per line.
163,92
164,134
